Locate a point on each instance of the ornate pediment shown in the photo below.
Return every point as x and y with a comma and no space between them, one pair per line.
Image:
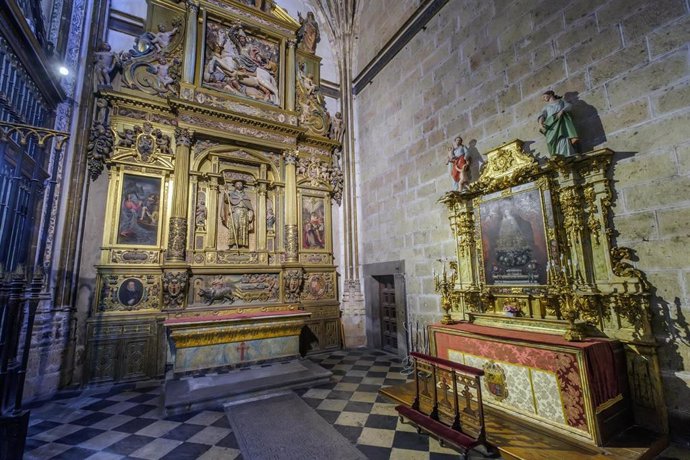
505,166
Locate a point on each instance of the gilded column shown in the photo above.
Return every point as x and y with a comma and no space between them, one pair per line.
261,217
178,219
190,41
291,241
290,75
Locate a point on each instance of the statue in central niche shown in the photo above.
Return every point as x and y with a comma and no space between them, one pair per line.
237,215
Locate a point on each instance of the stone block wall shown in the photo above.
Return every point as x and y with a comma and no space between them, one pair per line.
478,70
376,29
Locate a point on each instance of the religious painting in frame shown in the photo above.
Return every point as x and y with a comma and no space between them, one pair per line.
313,223
240,62
139,211
513,235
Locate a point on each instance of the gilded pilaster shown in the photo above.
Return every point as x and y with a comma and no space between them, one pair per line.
291,241
290,75
190,41
261,223
212,203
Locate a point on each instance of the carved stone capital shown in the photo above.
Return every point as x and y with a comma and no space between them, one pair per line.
183,137
291,157
193,7
177,238
291,44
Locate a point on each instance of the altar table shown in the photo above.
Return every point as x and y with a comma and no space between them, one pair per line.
215,341
577,390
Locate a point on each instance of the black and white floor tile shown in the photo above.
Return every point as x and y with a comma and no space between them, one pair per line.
126,421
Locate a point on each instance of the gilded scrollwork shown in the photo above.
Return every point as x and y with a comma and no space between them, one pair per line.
624,269
154,64
146,142
571,207
506,166
129,293
311,104
592,211
134,256
101,140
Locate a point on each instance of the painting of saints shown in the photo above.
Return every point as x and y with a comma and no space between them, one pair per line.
241,64
139,211
313,226
237,215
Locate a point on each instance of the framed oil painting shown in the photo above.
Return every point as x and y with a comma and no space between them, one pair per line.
513,238
139,216
131,292
241,63
313,223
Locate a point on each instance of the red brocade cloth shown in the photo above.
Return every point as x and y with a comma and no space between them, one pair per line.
604,358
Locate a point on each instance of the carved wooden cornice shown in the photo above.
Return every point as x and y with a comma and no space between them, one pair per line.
179,105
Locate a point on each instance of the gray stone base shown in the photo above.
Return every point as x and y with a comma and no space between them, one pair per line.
188,394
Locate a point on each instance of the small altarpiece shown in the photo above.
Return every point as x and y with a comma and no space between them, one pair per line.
221,180
540,297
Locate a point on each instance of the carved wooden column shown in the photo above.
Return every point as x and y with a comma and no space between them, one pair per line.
190,41
290,76
291,240
177,241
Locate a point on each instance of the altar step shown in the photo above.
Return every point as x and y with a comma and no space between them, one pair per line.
520,441
188,394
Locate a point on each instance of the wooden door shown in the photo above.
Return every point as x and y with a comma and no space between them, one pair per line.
389,324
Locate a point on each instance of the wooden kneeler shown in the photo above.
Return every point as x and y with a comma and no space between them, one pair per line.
448,403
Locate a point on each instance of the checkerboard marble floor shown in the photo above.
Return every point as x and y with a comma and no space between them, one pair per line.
126,421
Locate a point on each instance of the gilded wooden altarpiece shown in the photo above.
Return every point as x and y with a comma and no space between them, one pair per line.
535,252
220,181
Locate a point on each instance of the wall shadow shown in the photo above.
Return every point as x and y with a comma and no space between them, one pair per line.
587,122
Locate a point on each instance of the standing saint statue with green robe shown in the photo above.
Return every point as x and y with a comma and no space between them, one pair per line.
556,124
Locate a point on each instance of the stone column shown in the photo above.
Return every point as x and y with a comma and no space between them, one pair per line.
190,41
290,76
353,306
177,241
291,240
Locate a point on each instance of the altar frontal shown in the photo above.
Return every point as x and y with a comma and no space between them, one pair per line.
212,342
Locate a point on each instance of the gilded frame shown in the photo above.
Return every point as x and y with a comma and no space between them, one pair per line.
522,214
125,185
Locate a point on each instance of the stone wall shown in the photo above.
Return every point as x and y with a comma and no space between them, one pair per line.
378,22
479,69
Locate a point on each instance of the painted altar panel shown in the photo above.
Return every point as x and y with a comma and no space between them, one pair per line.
139,214
313,219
